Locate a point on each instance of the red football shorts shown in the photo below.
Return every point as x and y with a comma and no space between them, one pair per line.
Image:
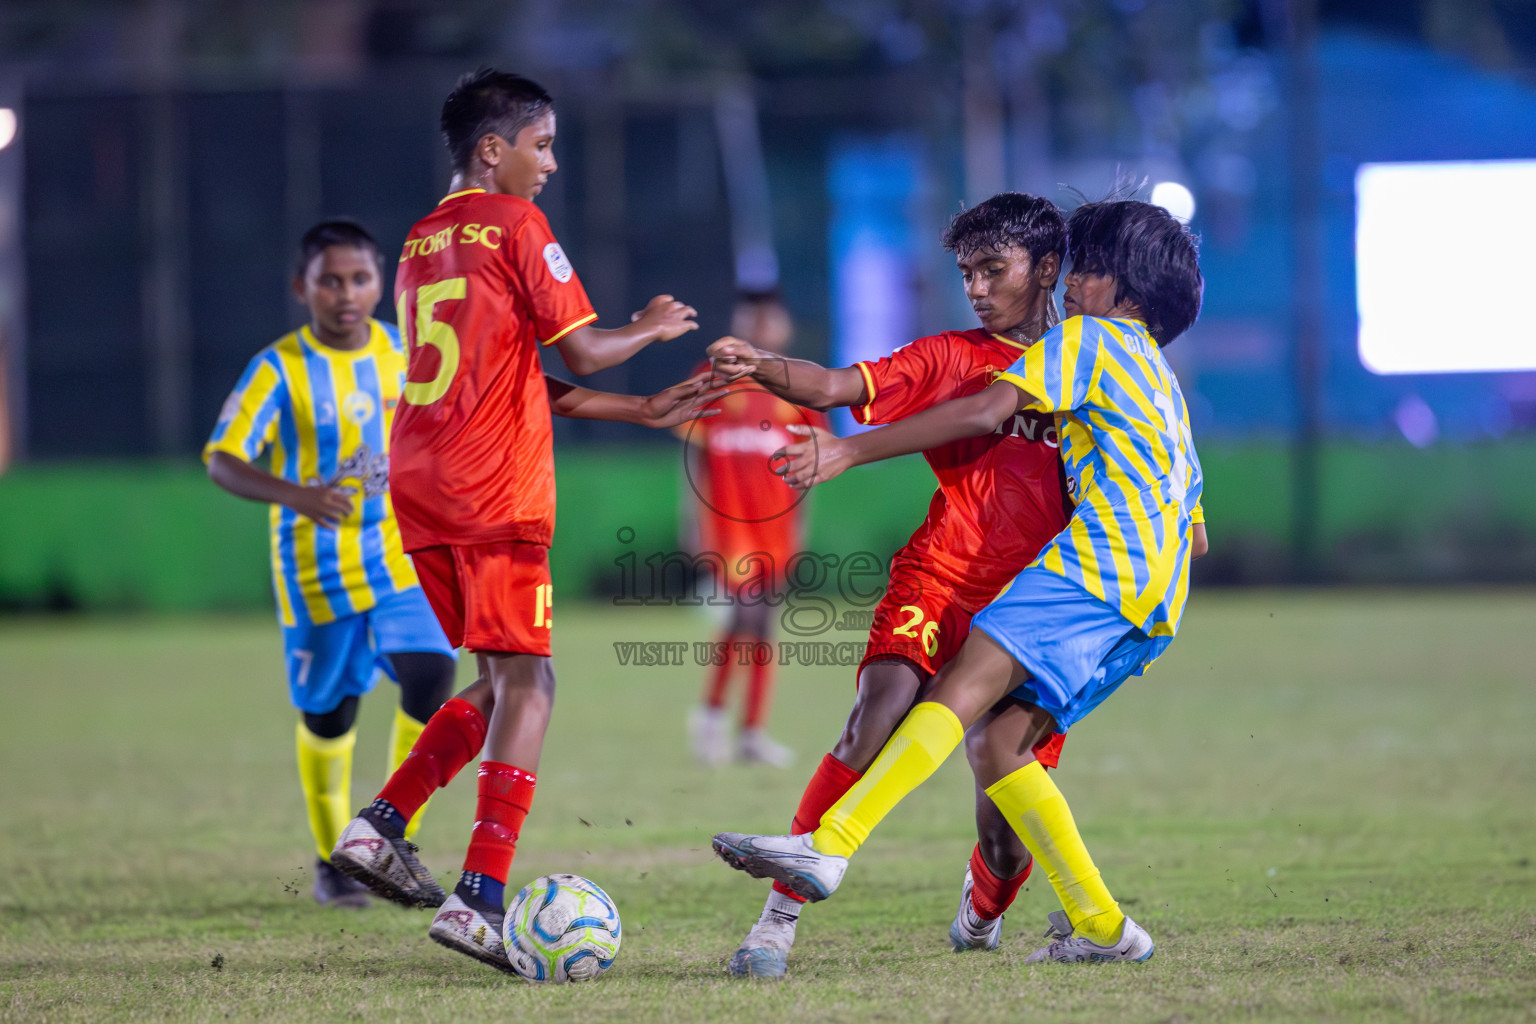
920,619
490,597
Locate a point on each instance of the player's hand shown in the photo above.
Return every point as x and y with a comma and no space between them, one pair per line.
817,459
667,317
327,506
733,358
690,400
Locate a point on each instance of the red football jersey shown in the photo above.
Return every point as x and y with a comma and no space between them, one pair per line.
481,284
1000,497
743,505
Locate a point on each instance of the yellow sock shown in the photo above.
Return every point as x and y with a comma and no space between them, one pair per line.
913,753
325,772
403,735
1040,815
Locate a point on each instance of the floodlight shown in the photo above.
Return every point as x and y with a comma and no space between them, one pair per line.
1442,251
1174,198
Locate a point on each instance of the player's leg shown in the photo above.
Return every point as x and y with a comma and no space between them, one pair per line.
325,744
328,669
414,651
522,697
887,688
1035,808
755,623
455,730
516,695
1000,863
510,606
708,723
1095,929
1079,650
896,669
961,693
426,682
813,865
895,675
373,849
450,740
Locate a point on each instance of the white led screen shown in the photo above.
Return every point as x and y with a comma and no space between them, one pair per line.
1445,261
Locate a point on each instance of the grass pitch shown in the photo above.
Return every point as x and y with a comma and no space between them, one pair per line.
1320,805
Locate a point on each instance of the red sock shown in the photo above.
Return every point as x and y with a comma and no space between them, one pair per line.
990,895
759,689
714,690
827,786
452,737
506,793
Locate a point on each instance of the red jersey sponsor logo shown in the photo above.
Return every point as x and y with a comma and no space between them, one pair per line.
1000,497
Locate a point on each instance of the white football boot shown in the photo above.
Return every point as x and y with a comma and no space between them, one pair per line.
386,864
709,734
764,953
970,930
757,747
472,931
788,859
1134,945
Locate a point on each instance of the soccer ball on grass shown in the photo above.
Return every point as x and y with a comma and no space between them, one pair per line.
561,928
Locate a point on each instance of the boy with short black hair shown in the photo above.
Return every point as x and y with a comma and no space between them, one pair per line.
1100,603
322,399
482,286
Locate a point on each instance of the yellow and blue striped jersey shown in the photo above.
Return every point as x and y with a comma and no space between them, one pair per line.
325,414
1130,464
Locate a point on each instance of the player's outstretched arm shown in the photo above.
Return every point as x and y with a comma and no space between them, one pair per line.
679,403
1198,545
589,349
327,506
799,381
819,459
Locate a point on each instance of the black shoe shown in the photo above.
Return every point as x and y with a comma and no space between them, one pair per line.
334,889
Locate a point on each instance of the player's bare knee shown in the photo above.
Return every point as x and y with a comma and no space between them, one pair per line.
976,747
480,694
522,677
876,713
986,766
545,679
